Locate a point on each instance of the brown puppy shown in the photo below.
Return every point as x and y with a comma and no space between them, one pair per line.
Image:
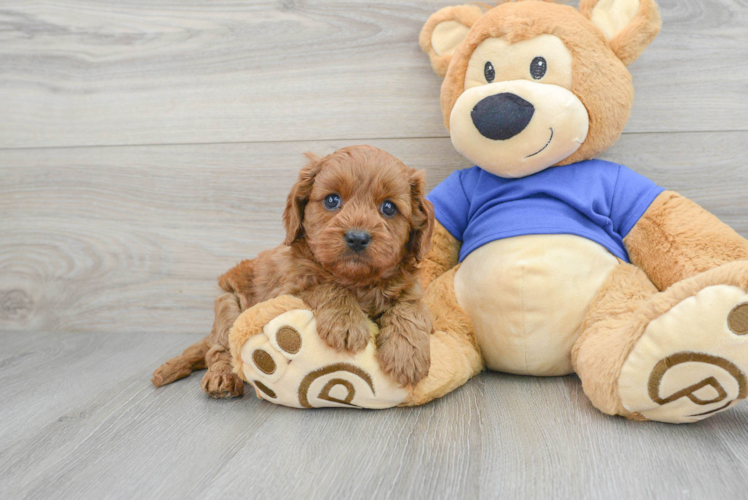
357,227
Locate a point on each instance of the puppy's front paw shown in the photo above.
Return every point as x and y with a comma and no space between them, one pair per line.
406,360
342,332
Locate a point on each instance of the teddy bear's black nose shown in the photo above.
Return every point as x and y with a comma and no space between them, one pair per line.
502,116
357,240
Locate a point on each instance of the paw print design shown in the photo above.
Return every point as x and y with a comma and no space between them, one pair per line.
691,362
289,364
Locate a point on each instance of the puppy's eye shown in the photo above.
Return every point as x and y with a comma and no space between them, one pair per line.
332,201
388,208
538,67
489,72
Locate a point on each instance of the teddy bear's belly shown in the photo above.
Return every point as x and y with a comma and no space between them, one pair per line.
527,297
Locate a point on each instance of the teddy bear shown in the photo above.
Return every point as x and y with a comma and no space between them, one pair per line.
546,261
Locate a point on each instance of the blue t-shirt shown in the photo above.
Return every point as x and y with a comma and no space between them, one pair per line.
594,199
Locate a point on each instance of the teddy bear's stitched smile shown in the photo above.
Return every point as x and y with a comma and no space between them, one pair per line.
543,148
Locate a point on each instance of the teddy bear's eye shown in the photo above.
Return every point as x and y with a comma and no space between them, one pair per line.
489,72
538,67
332,201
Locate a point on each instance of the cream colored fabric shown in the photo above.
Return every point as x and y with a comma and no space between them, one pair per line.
557,129
512,61
690,350
527,297
447,36
612,16
315,375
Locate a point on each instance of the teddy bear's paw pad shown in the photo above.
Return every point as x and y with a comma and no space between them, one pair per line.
692,361
290,365
261,357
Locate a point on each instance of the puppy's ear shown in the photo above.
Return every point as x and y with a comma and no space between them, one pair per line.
293,215
422,218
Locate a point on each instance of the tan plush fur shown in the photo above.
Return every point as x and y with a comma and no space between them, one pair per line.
453,362
677,239
600,80
676,248
463,14
248,325
343,286
446,313
625,306
629,44
455,355
445,252
607,337
733,273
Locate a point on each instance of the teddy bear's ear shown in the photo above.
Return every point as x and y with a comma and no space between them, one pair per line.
629,25
444,31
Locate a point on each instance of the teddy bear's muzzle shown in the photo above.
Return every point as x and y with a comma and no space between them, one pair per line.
517,128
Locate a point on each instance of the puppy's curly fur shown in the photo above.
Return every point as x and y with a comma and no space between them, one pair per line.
343,283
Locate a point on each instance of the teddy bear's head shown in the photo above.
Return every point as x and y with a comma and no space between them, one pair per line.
532,84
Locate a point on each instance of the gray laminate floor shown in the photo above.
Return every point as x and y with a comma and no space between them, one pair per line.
81,420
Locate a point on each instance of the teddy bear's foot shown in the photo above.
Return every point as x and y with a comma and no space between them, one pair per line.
691,361
290,365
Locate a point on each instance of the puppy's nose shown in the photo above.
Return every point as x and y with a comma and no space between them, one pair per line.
502,116
357,240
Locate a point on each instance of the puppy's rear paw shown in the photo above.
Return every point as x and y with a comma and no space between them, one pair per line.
406,362
219,382
168,373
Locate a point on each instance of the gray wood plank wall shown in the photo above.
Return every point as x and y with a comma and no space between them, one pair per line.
147,146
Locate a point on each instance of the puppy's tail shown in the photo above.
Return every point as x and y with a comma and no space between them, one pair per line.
193,358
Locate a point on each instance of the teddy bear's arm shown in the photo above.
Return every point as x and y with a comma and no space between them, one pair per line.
443,256
676,239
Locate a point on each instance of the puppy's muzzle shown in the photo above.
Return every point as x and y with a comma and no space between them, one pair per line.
502,116
357,240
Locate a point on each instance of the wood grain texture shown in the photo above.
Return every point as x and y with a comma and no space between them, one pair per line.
94,427
96,72
132,239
